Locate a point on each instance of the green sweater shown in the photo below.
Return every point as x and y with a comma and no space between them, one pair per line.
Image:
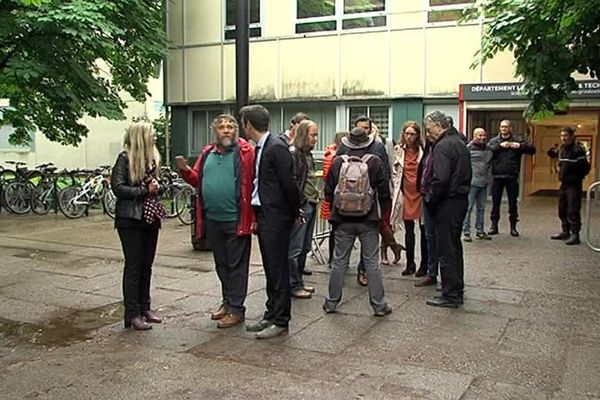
219,196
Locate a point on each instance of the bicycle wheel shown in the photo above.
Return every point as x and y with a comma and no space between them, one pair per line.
167,198
109,202
17,197
42,198
183,204
69,204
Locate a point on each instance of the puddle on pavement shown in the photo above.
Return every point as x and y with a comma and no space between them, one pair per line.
62,329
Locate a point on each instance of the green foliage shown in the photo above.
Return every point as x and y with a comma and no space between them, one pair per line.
550,39
63,59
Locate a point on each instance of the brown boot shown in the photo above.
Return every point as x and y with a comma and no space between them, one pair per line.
138,324
397,249
229,320
151,316
219,312
384,257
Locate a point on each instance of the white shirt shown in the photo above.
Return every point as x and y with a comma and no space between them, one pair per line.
261,143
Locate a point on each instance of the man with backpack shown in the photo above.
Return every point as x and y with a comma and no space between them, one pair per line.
358,190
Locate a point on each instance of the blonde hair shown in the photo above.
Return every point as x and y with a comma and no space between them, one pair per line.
141,150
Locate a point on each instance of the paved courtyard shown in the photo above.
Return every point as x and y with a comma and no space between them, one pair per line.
529,328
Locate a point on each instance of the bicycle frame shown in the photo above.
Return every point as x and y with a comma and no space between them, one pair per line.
91,190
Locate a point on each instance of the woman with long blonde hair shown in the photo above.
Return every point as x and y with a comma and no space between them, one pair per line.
138,218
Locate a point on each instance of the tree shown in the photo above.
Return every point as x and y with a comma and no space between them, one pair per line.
550,39
63,59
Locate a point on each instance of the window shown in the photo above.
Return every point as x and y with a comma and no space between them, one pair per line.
201,135
447,10
331,15
255,27
379,115
5,131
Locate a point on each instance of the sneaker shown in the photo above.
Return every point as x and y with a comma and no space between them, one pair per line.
467,238
387,310
483,236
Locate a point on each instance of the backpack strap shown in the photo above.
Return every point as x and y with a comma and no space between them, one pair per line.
366,157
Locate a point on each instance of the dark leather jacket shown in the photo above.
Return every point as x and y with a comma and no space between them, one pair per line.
130,197
300,171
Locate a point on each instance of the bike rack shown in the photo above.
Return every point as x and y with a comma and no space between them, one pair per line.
589,215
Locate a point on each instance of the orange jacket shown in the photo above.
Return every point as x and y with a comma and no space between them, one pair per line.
330,151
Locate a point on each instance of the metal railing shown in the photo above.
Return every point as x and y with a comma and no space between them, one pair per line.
592,204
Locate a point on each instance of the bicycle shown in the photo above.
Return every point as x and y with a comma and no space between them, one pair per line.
75,201
184,201
17,194
45,194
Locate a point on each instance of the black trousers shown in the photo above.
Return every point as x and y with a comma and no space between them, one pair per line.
232,262
274,240
409,243
569,206
448,219
139,248
512,192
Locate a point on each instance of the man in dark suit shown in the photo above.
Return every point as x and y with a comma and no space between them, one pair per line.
277,204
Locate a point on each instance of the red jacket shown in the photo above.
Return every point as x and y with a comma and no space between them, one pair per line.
330,151
244,168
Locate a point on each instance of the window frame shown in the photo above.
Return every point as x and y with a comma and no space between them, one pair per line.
368,114
339,17
229,28
447,7
193,152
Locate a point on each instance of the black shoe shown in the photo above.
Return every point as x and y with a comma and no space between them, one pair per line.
329,310
513,232
259,326
410,269
560,236
306,271
493,229
442,301
361,278
573,239
421,272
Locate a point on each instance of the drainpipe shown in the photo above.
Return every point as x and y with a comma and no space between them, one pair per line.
242,44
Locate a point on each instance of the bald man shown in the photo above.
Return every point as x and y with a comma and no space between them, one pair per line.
507,151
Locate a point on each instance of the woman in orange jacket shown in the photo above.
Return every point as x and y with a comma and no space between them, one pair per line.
330,152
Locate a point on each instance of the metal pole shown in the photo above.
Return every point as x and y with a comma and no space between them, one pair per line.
242,45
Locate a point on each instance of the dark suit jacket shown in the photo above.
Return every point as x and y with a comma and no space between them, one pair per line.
277,187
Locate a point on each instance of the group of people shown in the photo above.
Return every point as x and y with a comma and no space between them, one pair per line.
373,188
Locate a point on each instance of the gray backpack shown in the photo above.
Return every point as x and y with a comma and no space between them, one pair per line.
353,196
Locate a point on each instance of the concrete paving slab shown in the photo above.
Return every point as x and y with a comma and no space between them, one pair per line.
484,389
26,311
581,372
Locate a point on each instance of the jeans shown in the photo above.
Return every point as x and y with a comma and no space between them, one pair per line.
139,248
300,245
477,196
432,248
232,260
569,206
345,235
512,192
448,218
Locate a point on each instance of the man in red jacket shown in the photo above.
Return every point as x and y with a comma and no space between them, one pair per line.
223,175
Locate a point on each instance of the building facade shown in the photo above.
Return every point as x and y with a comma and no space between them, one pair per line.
393,60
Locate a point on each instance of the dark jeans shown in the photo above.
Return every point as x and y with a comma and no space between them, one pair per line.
512,192
232,260
448,218
139,248
274,241
331,243
300,246
432,249
409,243
569,206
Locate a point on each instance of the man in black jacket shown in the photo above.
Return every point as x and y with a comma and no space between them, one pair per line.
507,151
448,198
573,167
276,204
365,227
